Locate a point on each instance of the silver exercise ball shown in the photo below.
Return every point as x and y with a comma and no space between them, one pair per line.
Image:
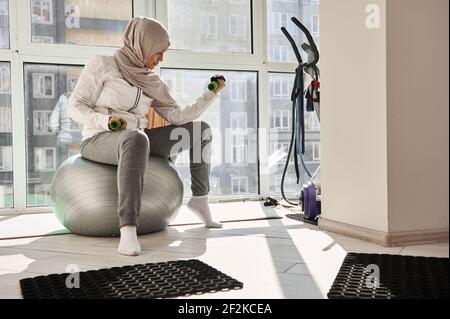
85,197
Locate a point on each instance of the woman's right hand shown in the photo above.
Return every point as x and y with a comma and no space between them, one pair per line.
123,123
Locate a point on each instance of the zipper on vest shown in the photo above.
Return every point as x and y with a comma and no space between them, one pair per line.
138,99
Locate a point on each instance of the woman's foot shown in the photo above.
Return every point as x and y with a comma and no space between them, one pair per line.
199,206
129,244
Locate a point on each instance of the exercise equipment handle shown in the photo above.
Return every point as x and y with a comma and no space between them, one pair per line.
294,46
311,41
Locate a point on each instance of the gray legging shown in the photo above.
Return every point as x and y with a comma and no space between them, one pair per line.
130,150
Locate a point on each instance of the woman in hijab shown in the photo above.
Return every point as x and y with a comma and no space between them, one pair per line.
123,88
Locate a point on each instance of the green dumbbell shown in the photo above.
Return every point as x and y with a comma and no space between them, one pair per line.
214,84
115,125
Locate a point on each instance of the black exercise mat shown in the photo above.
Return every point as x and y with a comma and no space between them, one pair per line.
301,218
400,277
159,280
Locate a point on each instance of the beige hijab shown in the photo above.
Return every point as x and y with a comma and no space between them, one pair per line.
144,37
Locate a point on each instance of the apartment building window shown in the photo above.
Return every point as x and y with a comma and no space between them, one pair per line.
45,159
4,24
280,53
5,119
280,88
5,78
278,20
239,150
281,120
239,185
44,86
180,18
5,158
239,122
41,121
42,11
238,26
238,90
239,147
314,25
312,152
209,26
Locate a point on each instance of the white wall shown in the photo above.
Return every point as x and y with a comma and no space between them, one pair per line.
418,107
354,127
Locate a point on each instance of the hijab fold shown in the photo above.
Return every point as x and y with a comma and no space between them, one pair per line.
144,37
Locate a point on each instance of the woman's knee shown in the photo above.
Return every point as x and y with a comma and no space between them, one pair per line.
136,139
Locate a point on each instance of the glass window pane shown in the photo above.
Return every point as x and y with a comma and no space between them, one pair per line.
280,117
279,13
52,136
210,26
234,163
4,24
6,164
80,22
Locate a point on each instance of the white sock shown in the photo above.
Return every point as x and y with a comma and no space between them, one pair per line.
129,244
199,206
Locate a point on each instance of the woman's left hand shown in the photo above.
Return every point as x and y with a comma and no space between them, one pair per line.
221,83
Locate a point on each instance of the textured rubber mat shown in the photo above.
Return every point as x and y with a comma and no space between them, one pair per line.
301,218
371,276
159,280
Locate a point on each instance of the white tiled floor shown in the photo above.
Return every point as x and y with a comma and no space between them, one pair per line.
279,258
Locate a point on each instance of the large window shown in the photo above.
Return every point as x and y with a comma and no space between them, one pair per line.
42,54
6,154
99,23
52,136
279,15
210,26
233,122
4,24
